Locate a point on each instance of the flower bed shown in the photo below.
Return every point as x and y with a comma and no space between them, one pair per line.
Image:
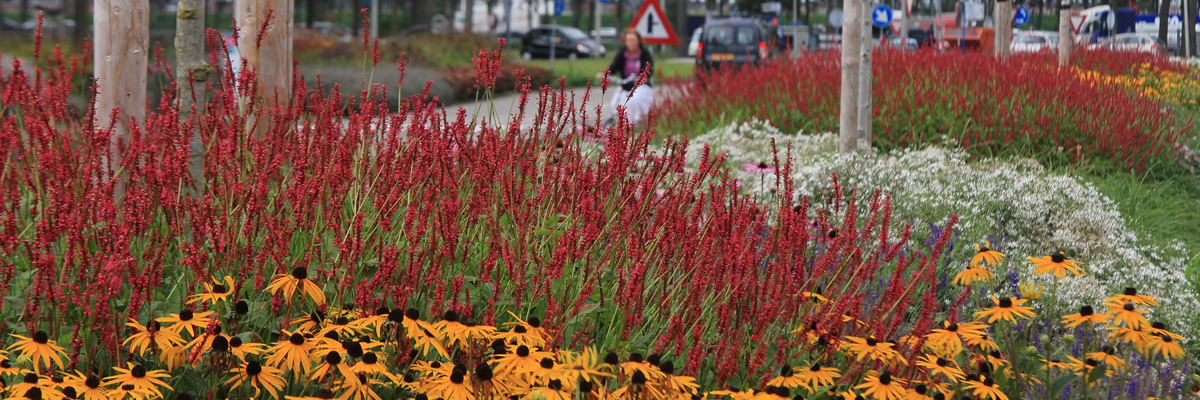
1017,206
349,253
1022,107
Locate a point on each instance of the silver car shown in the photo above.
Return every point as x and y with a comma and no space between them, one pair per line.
1032,42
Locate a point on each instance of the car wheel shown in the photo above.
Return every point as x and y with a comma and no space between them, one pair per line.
526,55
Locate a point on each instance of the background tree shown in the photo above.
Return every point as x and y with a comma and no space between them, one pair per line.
81,24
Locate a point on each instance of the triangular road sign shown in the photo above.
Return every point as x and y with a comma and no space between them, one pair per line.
1076,23
653,24
907,8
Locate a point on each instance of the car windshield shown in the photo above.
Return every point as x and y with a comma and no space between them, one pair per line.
572,33
729,35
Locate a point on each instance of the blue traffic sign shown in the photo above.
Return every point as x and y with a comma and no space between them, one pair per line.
881,16
558,7
1021,17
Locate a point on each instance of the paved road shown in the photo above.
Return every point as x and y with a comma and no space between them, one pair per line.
506,106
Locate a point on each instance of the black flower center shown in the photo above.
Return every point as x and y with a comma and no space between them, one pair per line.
92,382
942,362
253,368
186,315
412,313
456,377
1167,339
994,354
872,342
668,367
611,358
786,371
636,357
341,321
1006,303
546,363
1107,350
1128,307
483,372
70,393
554,384
585,386
138,372
235,342
988,381
523,351
382,311
33,394
1091,362
1086,311
354,349
241,307
300,273
333,358
885,378
370,358
31,379
220,344
939,396
435,365
127,387
520,329
762,164
324,393
815,368
396,316
296,339
920,389
535,322
5,364
450,316
1058,257
833,233
984,249
638,378
219,289
40,337
952,328
1159,325
1130,291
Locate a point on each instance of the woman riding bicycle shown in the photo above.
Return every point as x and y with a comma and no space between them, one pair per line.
629,64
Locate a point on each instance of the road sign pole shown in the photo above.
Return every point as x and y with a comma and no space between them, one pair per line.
904,24
848,102
596,24
1003,27
864,77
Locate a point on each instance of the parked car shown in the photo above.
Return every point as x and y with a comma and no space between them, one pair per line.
327,29
8,24
569,43
732,42
1135,42
895,43
1032,42
605,32
47,24
695,42
512,37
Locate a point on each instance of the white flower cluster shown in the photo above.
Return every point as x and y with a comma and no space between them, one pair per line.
1024,210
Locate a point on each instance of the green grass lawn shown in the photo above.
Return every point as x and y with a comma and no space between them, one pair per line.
579,71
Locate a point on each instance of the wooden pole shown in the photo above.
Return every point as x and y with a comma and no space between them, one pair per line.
852,10
905,23
191,71
122,44
1003,28
865,113
271,59
1064,33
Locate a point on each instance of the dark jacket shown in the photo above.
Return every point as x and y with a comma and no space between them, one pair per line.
617,68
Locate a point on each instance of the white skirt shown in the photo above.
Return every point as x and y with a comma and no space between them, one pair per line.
637,108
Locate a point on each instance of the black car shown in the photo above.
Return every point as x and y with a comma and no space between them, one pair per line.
569,43
734,42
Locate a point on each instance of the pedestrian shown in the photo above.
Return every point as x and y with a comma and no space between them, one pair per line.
633,61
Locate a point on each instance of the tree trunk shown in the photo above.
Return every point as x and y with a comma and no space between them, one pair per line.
1003,28
469,16
272,59
81,24
24,15
1189,26
865,113
1064,33
449,12
191,71
620,17
681,27
576,13
121,50
1164,14
422,11
310,13
355,18
851,46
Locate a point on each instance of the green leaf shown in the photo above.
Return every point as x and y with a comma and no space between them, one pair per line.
1062,382
548,232
1097,373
